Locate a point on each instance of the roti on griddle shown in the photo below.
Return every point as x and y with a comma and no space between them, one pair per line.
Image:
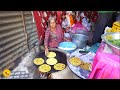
51,54
75,61
38,61
59,66
51,61
44,68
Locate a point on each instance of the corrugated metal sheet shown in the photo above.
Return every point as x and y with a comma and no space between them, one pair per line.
12,60
11,55
12,49
10,26
31,29
11,44
17,36
9,13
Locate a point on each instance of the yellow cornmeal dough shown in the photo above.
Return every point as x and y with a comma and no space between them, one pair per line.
75,61
38,61
44,68
51,54
51,61
59,66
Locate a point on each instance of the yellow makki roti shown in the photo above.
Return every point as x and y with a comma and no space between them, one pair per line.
38,61
59,66
51,54
86,66
75,61
51,61
44,68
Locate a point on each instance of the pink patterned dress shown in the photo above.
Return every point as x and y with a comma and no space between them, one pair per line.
52,39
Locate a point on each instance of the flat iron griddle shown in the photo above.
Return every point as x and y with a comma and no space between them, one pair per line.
61,58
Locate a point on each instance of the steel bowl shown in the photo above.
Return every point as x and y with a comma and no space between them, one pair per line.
82,32
114,48
80,40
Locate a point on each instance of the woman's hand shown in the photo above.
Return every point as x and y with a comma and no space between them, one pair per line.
46,50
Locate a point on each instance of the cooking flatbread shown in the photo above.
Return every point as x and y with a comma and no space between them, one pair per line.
75,61
38,61
51,54
51,61
59,66
44,68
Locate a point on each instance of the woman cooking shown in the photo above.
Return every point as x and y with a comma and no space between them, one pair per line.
53,35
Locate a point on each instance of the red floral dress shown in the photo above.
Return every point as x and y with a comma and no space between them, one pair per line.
92,15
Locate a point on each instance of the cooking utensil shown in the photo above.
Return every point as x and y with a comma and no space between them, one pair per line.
83,52
80,40
61,58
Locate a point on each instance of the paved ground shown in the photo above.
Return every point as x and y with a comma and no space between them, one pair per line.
65,74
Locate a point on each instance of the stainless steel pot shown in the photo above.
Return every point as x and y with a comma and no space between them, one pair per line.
80,40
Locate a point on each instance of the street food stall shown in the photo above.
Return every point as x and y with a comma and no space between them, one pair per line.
63,47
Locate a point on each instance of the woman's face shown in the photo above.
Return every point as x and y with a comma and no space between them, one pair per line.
52,24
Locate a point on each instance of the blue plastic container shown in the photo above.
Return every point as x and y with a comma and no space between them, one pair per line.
67,46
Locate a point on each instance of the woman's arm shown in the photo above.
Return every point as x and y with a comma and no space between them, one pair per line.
47,33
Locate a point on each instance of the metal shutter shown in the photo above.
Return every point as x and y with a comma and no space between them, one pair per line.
16,37
30,29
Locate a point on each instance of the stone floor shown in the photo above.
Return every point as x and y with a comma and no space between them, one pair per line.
65,74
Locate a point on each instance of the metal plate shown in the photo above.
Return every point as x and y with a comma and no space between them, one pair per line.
114,48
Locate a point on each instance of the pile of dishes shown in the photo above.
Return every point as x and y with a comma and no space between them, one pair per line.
113,41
